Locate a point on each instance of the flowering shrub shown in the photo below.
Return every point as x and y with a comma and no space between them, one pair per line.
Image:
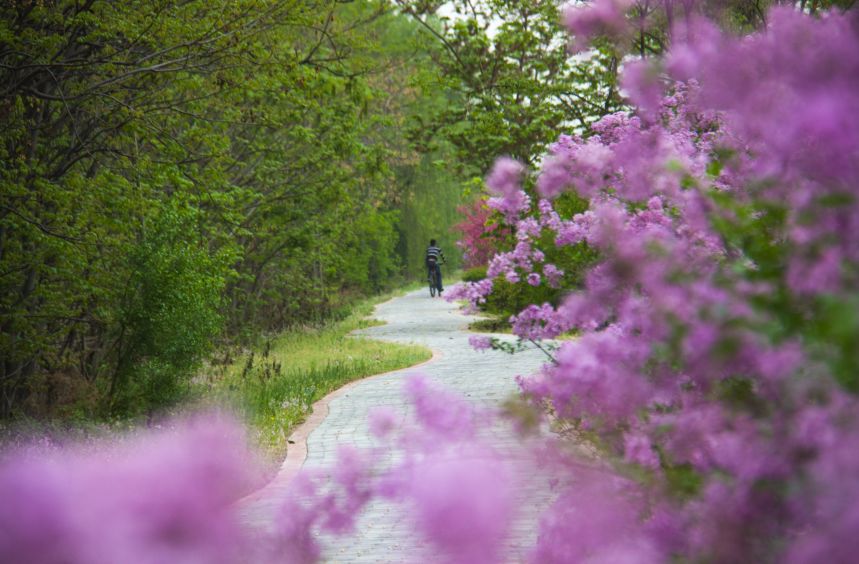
481,235
160,498
717,352
532,270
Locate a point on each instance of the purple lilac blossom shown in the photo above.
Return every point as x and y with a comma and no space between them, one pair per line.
463,504
382,421
671,317
601,17
156,498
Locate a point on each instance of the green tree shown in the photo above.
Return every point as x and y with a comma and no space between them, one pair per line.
92,94
513,80
258,135
169,312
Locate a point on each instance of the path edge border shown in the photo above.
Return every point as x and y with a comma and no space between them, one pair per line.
296,452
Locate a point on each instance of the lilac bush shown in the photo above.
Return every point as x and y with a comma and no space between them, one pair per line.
480,236
164,497
713,355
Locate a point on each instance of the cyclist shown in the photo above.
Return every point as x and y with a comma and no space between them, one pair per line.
433,255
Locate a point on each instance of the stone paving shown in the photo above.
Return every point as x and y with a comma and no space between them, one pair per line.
484,377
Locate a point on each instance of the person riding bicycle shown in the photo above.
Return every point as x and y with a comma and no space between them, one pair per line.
431,260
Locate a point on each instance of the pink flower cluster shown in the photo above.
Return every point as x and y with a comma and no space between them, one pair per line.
798,130
539,322
171,496
473,292
479,342
318,501
481,237
504,180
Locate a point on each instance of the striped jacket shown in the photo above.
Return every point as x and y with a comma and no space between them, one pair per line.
433,254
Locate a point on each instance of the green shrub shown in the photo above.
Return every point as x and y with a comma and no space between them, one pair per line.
509,298
169,316
474,274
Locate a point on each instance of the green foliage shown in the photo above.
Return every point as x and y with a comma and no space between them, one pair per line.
490,325
834,330
474,274
188,173
431,195
683,481
509,298
170,313
180,175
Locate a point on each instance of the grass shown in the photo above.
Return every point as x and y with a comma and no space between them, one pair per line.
274,387
490,325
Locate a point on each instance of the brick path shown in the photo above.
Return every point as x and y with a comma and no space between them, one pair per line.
486,378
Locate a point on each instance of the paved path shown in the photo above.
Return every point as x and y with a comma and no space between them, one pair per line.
485,377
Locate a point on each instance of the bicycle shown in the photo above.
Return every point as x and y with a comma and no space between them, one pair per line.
434,285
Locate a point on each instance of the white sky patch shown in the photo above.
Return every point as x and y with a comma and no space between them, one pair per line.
448,11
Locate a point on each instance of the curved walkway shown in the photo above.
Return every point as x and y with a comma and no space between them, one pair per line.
484,377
